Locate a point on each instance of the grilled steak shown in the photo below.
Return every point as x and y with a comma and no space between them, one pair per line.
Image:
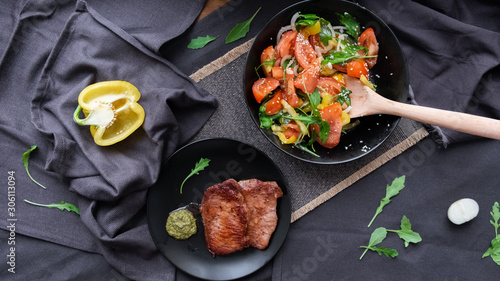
224,215
261,199
239,214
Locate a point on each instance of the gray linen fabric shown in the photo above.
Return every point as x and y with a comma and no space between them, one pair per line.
53,50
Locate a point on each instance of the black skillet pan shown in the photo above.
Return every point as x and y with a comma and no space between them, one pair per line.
390,74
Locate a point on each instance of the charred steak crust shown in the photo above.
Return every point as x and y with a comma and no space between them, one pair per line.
224,215
239,214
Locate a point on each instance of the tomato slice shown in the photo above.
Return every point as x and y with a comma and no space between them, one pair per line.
264,86
304,51
315,41
368,40
289,94
307,80
277,72
285,46
267,56
274,105
332,114
356,68
330,85
341,68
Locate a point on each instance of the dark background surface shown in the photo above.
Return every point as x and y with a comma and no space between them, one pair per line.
324,244
445,72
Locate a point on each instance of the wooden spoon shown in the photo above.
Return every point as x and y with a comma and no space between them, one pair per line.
365,101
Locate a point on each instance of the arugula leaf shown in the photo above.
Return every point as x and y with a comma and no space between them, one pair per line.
61,206
315,116
25,159
351,24
494,250
315,100
406,233
344,96
350,52
200,42
200,166
324,131
240,30
495,213
306,20
312,117
266,121
306,148
388,252
391,190
306,119
378,235
266,63
324,126
325,34
376,238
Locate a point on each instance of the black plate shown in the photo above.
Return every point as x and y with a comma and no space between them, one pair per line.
390,74
229,159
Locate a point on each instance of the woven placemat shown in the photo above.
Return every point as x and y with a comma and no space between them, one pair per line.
309,185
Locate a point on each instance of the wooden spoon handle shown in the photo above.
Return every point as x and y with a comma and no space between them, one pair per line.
462,122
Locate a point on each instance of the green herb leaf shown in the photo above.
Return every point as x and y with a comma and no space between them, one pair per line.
494,250
306,119
377,236
200,166
325,34
306,20
324,131
61,206
266,121
350,52
392,190
25,159
306,149
406,233
351,25
240,30
200,42
344,96
388,252
315,100
313,118
266,63
495,213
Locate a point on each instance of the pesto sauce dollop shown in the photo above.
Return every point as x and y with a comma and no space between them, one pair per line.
181,224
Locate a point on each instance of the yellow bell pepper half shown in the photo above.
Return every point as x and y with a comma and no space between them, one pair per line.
111,110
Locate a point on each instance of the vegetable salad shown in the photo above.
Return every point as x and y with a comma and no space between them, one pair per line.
302,93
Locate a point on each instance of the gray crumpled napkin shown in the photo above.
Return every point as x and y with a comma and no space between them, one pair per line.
56,49
452,54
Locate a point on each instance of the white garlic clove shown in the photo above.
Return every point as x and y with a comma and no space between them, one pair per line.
463,211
